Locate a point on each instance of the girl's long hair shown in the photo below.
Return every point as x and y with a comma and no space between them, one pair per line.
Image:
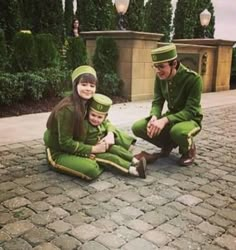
80,106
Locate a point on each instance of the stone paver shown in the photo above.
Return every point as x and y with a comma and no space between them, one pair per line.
174,208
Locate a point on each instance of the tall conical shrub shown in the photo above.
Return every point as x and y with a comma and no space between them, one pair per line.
184,20
10,20
135,15
3,51
27,14
48,18
105,15
23,58
46,51
68,16
105,61
158,15
76,53
87,14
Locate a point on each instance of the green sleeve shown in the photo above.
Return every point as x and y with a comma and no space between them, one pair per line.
65,134
192,108
109,126
158,100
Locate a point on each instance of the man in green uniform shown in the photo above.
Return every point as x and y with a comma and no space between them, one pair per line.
181,88
117,155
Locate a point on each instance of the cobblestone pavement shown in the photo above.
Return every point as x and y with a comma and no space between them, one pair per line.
174,208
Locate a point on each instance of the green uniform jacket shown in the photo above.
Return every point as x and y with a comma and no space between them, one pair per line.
60,137
183,96
95,134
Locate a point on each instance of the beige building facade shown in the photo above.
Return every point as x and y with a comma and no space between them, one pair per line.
211,58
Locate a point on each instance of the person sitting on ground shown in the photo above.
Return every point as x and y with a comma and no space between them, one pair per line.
181,88
98,129
64,151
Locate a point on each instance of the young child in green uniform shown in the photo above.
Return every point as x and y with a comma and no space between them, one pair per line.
117,154
181,88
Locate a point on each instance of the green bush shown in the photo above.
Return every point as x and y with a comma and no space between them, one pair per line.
233,67
106,55
76,54
105,61
34,85
11,90
23,58
111,84
3,51
46,51
56,81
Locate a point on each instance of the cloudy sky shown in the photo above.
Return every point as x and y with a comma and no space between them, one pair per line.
225,14
225,19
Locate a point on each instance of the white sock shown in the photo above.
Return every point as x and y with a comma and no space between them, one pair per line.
133,171
131,148
135,161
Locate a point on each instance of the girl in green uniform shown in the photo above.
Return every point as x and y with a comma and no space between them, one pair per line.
65,126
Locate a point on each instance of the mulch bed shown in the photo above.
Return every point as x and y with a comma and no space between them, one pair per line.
32,107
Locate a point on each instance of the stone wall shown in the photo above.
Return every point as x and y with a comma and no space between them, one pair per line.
219,58
134,65
209,57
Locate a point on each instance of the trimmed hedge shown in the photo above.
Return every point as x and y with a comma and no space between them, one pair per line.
46,51
105,61
76,54
32,85
11,90
24,54
3,51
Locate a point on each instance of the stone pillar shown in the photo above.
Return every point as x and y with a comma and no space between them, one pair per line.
134,64
221,66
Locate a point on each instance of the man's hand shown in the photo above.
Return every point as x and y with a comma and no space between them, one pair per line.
155,126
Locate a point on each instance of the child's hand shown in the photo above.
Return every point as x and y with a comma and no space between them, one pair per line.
109,138
101,147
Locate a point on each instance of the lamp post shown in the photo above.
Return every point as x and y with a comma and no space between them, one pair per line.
121,8
205,17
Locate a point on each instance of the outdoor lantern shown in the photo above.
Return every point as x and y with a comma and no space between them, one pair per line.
121,7
205,17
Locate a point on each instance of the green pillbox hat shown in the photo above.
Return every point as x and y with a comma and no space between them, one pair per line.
164,54
85,69
100,103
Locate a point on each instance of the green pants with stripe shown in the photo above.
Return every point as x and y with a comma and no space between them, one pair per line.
82,167
180,134
116,157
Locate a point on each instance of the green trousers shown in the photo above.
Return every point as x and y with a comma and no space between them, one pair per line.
180,134
116,157
82,167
